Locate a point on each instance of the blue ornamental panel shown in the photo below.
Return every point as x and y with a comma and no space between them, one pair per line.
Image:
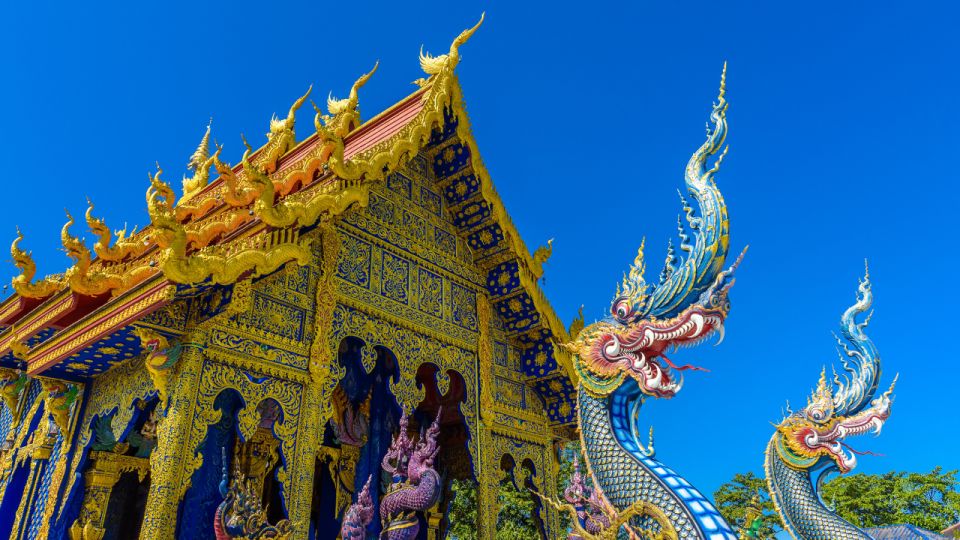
451,160
471,214
518,312
561,411
554,387
486,239
399,183
354,261
503,279
9,361
538,360
449,129
395,278
461,188
430,201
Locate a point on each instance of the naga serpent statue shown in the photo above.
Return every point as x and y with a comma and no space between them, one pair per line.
621,361
415,487
808,444
358,516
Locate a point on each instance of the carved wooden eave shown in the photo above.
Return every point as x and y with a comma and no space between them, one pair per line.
118,313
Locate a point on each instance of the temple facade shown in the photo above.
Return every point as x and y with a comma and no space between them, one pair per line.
272,322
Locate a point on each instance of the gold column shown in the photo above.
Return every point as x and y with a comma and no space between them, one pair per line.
488,478
170,459
434,517
298,491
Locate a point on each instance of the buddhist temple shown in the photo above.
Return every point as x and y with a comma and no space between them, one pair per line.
270,326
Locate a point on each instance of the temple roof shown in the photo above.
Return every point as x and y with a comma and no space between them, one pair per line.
246,222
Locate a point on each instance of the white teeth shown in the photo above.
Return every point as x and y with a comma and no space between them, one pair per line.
697,320
722,333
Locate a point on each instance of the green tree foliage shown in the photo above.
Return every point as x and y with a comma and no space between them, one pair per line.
515,520
929,500
463,511
735,496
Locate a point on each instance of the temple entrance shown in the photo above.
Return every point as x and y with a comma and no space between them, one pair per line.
365,417
453,460
126,507
202,498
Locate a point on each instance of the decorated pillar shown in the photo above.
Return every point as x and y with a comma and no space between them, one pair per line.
325,373
42,444
171,458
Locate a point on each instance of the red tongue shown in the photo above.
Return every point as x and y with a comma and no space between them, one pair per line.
683,367
859,452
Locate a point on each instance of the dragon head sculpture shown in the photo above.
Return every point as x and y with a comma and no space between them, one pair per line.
686,306
425,452
397,458
813,436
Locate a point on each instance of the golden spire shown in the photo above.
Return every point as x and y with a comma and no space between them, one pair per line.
200,165
433,65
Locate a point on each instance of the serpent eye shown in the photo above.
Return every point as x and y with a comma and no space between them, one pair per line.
622,310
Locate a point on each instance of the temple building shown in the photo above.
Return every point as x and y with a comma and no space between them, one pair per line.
275,319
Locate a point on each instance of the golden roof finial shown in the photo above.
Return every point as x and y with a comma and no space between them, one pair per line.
74,247
278,126
338,106
28,269
99,228
344,116
200,165
432,65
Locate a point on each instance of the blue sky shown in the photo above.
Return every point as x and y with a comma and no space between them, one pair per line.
842,126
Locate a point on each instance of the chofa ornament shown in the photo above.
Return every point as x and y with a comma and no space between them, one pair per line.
622,360
808,444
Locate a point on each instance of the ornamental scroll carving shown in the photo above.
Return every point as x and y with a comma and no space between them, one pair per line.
253,388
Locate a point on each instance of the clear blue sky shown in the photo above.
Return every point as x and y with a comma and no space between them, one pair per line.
843,128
